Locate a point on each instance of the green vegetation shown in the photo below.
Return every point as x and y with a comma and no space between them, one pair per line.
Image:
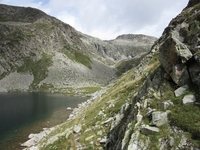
123,90
61,144
44,87
39,69
127,64
88,90
72,53
44,26
186,117
14,37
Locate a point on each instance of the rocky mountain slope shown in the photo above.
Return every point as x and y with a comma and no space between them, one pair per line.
40,53
155,105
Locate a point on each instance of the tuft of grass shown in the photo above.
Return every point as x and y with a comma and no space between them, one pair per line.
72,53
186,117
88,90
125,65
45,87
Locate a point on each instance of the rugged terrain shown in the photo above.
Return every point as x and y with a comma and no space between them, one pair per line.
40,53
155,105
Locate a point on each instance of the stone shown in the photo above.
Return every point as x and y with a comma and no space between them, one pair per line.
159,118
149,101
183,141
150,111
146,129
111,105
181,49
89,138
189,99
35,138
194,70
138,105
139,118
77,128
178,92
100,132
157,95
103,140
68,133
69,108
165,105
180,74
171,141
126,136
145,105
132,146
108,120
100,113
174,54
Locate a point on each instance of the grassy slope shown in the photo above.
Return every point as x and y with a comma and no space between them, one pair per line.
119,92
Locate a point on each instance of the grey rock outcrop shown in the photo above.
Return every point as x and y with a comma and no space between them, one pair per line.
179,46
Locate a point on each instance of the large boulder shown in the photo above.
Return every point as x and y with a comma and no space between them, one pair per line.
179,46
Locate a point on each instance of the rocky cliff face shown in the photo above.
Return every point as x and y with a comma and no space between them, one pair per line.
123,47
53,56
180,45
159,115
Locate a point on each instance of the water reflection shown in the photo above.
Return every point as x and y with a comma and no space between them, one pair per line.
22,109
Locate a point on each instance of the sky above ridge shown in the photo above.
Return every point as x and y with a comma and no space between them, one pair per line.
106,19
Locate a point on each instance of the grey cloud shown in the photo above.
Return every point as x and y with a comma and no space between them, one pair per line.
113,17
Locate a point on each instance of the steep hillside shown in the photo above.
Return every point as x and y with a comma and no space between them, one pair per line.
123,47
40,53
149,107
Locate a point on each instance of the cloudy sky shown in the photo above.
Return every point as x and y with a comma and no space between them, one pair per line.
106,19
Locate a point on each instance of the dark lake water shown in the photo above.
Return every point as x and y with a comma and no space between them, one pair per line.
25,113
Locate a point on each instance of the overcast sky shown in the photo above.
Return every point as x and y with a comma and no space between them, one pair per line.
106,19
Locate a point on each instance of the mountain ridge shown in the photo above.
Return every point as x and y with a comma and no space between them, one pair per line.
30,38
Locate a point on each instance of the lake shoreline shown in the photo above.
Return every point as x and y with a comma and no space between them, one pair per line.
34,139
14,137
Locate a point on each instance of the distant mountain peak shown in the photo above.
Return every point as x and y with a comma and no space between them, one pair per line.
132,36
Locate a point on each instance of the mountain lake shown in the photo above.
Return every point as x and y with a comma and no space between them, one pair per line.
25,113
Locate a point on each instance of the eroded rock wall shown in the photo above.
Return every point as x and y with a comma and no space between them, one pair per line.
179,46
